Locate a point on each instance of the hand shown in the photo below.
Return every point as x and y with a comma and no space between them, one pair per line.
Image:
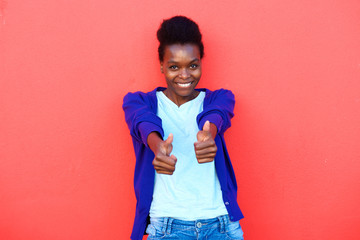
163,162
205,147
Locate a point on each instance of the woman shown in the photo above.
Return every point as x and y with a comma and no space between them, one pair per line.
185,184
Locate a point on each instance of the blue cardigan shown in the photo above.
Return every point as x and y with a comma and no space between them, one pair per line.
140,115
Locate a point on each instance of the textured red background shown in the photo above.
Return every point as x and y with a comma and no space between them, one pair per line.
66,157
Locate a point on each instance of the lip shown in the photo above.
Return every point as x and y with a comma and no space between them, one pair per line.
184,85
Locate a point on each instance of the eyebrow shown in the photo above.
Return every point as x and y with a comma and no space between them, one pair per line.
194,60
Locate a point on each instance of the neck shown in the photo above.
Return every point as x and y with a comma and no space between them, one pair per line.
179,100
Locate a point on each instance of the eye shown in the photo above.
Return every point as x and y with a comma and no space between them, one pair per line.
173,67
193,66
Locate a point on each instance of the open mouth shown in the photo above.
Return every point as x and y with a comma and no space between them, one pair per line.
184,85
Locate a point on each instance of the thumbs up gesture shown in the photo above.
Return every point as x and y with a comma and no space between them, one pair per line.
205,147
163,162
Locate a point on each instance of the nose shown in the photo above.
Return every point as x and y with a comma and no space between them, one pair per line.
184,74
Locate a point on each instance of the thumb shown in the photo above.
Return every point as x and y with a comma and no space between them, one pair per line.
206,126
170,138
168,144
204,134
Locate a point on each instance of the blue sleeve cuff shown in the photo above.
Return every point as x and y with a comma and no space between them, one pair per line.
212,118
145,128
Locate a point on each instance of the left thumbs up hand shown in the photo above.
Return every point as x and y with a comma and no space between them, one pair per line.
205,147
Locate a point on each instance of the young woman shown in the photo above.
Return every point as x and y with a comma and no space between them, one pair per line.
184,181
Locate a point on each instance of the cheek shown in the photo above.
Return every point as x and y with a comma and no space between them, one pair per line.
197,74
170,75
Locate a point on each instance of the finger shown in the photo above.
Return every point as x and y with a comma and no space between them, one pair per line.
161,164
209,150
160,169
163,167
205,160
170,138
168,144
165,161
165,172
206,126
171,160
208,155
204,145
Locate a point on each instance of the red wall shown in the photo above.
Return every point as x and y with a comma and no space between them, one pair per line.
66,157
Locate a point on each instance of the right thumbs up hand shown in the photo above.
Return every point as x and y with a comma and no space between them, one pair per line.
163,162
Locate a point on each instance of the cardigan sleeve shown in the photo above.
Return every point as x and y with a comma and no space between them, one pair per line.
218,109
140,117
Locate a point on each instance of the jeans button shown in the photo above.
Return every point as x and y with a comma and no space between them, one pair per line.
199,224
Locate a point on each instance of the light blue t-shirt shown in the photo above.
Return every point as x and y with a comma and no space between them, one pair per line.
193,191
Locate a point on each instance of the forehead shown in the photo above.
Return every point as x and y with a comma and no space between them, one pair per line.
181,52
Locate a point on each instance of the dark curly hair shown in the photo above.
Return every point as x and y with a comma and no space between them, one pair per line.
178,30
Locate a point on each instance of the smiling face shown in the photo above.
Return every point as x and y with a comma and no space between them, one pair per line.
182,70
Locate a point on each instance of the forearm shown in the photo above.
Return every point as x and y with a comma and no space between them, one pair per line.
153,140
140,117
218,109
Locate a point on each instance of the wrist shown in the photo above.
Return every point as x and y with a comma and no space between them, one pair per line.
154,140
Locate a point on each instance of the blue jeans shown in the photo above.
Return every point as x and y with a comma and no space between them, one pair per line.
219,228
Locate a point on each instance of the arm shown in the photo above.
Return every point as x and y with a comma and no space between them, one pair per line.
218,110
146,127
141,117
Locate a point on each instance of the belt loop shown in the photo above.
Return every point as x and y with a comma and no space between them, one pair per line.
163,230
168,230
222,224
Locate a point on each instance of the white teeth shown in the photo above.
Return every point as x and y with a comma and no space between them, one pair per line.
184,84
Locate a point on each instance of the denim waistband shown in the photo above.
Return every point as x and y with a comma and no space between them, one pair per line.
168,222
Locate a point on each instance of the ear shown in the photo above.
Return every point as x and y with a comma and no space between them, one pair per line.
161,67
